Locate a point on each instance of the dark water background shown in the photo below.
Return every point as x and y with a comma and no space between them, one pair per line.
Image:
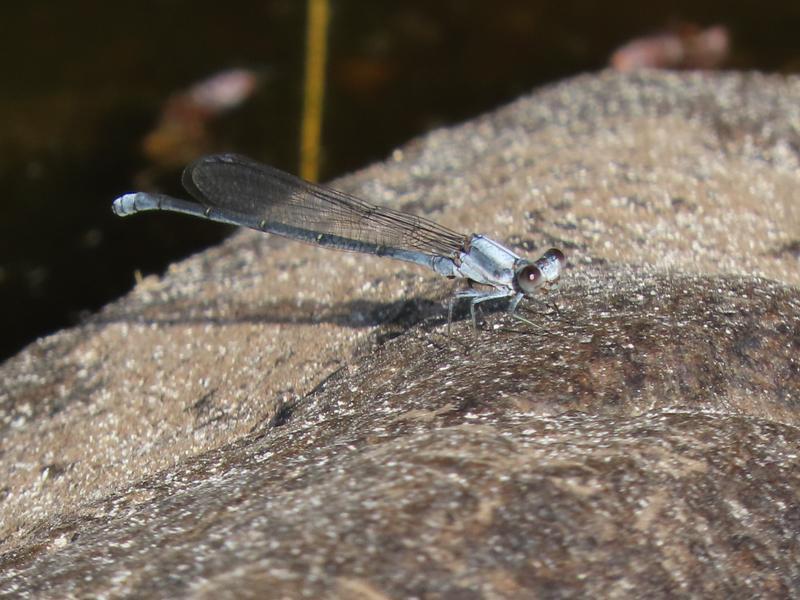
84,81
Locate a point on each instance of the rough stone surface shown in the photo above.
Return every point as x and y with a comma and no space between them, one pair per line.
269,419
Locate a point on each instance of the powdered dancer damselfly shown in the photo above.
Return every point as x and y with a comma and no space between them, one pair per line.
233,189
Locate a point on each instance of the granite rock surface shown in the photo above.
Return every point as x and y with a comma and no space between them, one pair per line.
272,420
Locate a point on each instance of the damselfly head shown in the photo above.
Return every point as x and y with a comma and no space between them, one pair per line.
529,277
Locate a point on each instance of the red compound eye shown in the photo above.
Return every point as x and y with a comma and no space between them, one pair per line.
556,255
529,278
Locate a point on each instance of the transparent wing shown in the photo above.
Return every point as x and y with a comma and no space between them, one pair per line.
237,184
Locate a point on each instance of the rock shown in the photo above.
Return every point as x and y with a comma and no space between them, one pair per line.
273,419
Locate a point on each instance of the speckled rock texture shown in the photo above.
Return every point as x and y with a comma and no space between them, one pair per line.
273,420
